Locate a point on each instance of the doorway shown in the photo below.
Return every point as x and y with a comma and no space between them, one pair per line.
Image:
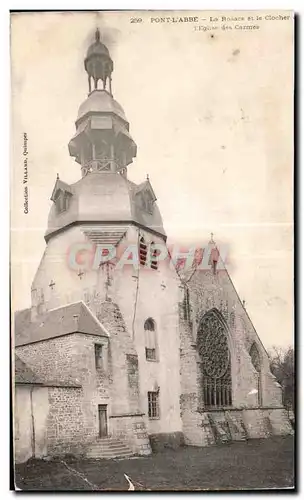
103,420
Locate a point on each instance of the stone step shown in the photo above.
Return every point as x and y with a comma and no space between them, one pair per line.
108,448
236,426
219,427
120,447
108,451
101,454
107,438
109,456
108,441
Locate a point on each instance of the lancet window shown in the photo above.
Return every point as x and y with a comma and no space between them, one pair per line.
256,361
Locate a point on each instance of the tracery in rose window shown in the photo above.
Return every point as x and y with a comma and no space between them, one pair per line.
215,358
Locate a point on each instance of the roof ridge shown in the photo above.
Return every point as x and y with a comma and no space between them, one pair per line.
19,311
61,307
95,319
24,373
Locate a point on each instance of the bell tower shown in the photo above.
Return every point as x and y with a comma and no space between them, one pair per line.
102,142
103,148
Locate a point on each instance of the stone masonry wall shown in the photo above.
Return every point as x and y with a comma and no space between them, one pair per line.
71,359
121,350
65,421
203,292
132,429
209,290
133,379
194,432
149,293
122,300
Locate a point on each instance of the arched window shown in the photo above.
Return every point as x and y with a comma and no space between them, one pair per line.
153,255
214,352
142,251
256,362
150,339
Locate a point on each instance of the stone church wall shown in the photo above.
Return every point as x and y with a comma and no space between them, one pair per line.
194,432
48,421
215,291
209,291
132,429
70,358
123,299
136,295
124,389
143,294
58,265
66,432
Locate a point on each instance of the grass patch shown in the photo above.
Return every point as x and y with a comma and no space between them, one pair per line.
258,463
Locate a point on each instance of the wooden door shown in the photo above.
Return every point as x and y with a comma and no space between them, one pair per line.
103,420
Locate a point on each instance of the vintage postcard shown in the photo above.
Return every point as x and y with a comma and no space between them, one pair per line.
152,250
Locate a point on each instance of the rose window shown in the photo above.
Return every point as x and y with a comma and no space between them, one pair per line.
215,361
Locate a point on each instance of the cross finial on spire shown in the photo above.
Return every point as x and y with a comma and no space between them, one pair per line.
97,35
147,177
57,177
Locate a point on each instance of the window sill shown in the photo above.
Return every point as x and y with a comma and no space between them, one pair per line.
154,418
152,360
215,408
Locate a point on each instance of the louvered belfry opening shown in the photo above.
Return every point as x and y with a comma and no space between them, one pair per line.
212,345
153,256
142,251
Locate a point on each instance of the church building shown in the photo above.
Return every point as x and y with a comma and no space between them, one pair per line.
124,351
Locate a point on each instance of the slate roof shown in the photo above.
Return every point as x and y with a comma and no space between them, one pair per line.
100,101
59,184
145,185
72,318
23,374
110,198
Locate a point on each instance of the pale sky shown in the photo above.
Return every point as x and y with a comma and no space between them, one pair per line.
213,123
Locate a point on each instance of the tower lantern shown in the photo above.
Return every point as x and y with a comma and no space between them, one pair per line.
98,64
102,142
